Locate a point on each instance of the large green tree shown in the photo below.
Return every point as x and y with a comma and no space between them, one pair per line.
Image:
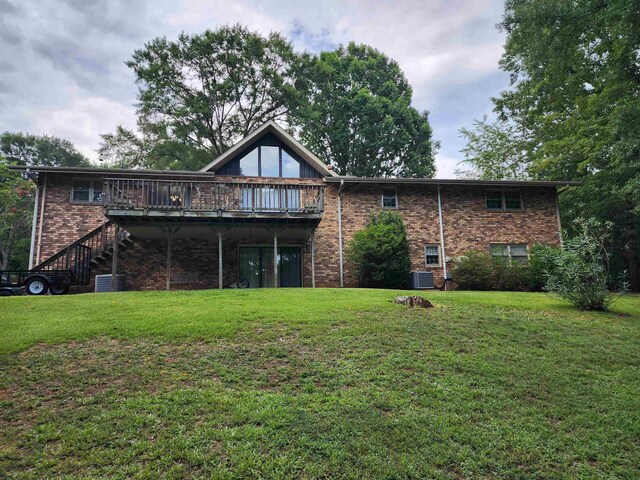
202,93
15,216
573,110
359,119
26,149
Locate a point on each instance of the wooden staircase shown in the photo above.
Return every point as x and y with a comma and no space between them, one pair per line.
89,250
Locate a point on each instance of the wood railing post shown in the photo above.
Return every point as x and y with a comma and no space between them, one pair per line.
212,196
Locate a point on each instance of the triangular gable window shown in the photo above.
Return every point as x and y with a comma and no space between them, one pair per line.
269,161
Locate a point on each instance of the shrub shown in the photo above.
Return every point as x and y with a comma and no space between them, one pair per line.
579,273
478,270
510,277
475,271
380,252
541,264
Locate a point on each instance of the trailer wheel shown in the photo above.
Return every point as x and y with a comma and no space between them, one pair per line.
37,286
59,289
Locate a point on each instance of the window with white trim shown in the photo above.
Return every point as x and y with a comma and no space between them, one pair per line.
514,252
507,200
389,198
432,255
85,191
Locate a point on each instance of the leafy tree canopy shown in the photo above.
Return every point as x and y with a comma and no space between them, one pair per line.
358,116
26,149
573,110
15,215
202,93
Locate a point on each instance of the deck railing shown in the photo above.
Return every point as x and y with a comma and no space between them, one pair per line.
212,196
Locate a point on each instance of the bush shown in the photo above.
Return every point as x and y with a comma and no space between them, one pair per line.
380,252
478,270
579,273
512,277
474,271
541,264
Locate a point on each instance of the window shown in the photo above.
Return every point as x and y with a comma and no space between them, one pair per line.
512,201
503,200
517,253
432,255
87,191
494,200
250,164
269,161
389,199
290,166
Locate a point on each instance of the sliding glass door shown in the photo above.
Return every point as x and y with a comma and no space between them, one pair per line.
256,265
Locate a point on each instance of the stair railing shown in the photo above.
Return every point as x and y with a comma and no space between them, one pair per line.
97,240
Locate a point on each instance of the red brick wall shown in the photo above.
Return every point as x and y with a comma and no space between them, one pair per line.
64,221
467,225
418,205
144,263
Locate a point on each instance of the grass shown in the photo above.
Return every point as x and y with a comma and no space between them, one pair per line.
317,384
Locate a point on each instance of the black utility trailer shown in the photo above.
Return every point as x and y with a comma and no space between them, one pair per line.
71,266
35,283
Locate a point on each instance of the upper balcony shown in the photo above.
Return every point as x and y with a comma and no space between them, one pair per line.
144,199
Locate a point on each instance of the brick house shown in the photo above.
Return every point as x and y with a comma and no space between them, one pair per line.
270,211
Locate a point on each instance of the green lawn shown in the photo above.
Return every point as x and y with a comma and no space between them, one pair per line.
317,384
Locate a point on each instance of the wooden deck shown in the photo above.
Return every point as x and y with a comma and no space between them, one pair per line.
148,200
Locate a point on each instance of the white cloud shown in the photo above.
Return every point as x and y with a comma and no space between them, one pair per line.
446,166
63,68
81,119
198,15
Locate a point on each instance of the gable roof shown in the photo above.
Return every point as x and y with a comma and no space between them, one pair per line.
273,128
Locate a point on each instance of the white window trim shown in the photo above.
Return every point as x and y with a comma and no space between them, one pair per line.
509,245
432,265
395,194
503,207
92,184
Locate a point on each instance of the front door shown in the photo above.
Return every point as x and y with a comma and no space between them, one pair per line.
256,265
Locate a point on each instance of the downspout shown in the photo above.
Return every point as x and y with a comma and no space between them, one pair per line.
340,232
34,223
444,256
41,219
559,222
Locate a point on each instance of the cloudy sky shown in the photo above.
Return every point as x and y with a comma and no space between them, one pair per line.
62,66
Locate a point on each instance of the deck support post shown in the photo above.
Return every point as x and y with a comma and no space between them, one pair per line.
168,280
114,259
313,258
220,282
275,259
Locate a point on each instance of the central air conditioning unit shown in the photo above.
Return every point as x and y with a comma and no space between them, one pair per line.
422,280
103,283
